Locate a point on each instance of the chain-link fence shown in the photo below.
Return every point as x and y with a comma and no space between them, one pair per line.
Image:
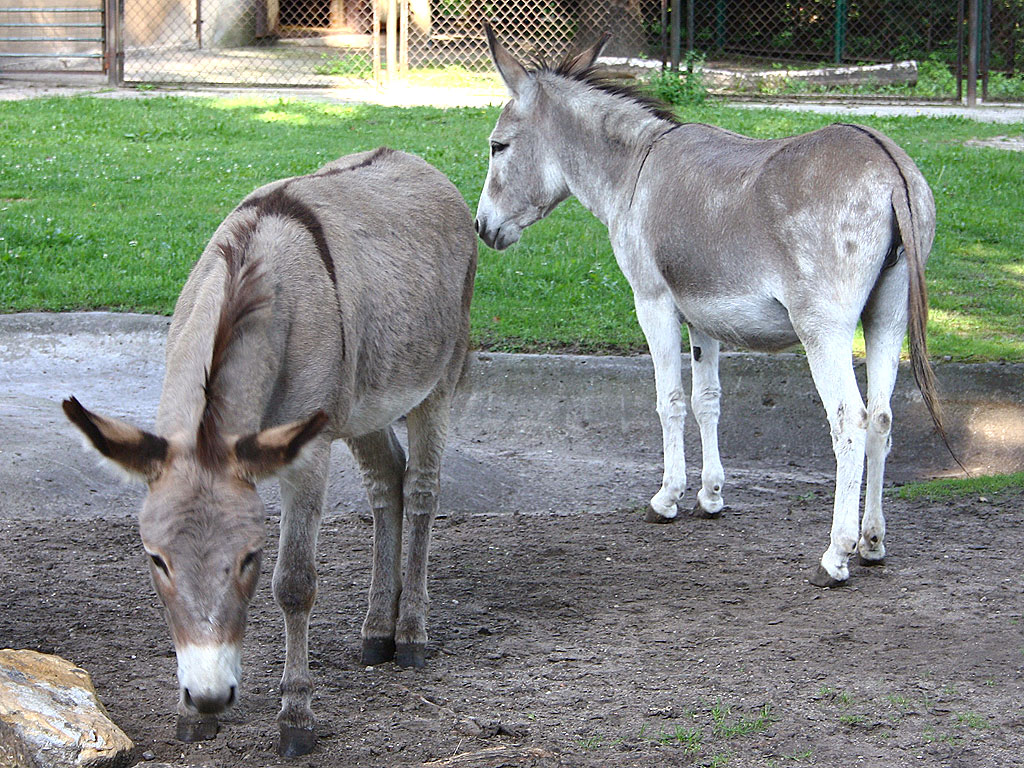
839,31
340,42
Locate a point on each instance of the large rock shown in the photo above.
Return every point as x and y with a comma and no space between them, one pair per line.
50,716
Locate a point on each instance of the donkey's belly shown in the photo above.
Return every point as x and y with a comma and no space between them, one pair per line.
376,410
751,322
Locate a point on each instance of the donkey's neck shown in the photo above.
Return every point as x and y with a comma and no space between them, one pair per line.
605,140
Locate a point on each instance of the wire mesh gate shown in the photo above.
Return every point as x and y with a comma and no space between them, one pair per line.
52,36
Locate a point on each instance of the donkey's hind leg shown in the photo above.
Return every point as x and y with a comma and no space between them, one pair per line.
705,398
302,498
382,461
885,323
831,365
659,320
428,428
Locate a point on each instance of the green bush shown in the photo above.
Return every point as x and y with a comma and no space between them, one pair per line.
934,77
1009,87
684,88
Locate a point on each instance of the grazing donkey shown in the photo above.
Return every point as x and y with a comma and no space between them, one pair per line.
761,244
325,306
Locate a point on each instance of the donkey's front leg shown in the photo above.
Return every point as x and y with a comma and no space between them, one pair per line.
302,498
428,427
382,462
705,398
659,320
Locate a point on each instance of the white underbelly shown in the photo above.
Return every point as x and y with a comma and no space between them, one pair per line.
377,410
750,322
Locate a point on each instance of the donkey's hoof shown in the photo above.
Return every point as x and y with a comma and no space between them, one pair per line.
870,562
654,517
377,650
192,729
296,742
822,578
699,512
411,655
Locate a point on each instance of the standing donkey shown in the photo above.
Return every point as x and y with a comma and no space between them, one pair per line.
761,244
325,306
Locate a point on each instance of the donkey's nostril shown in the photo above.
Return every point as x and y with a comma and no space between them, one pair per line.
476,225
210,704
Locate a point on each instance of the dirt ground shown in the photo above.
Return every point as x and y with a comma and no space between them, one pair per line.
588,639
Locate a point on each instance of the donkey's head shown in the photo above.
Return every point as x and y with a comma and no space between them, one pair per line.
203,529
524,180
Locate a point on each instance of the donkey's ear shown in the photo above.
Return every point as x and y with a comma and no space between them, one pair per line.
585,59
512,72
141,454
265,453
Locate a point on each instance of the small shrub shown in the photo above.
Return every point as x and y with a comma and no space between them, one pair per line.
684,88
1008,87
934,78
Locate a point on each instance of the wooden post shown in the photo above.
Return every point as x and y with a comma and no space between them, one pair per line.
392,41
375,42
690,33
676,28
113,53
403,38
663,36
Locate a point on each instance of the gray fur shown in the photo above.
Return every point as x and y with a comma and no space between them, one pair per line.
759,244
325,307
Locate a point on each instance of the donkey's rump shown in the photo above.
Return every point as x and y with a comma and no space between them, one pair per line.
744,230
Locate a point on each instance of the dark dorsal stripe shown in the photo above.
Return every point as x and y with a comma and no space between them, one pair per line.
244,294
280,203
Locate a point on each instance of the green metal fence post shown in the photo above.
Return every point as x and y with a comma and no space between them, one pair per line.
720,24
840,35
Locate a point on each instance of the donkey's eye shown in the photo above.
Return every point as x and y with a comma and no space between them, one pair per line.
159,563
498,147
250,560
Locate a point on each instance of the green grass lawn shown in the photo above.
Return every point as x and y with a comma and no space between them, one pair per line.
106,203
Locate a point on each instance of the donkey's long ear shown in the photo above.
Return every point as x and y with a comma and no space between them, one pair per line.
512,72
141,454
265,453
585,59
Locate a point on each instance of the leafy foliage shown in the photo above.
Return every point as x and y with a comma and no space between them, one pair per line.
683,88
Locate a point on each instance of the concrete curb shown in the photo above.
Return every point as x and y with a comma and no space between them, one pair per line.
569,404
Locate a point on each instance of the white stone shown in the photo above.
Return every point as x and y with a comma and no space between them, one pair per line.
50,716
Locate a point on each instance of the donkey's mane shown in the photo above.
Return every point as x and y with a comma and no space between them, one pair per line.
594,77
244,294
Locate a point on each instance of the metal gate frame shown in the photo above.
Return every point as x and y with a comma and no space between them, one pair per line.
106,31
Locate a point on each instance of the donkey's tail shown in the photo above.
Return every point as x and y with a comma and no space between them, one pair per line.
908,219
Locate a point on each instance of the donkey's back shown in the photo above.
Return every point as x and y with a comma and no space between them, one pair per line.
370,262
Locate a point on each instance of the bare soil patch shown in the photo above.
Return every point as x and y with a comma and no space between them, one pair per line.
588,639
